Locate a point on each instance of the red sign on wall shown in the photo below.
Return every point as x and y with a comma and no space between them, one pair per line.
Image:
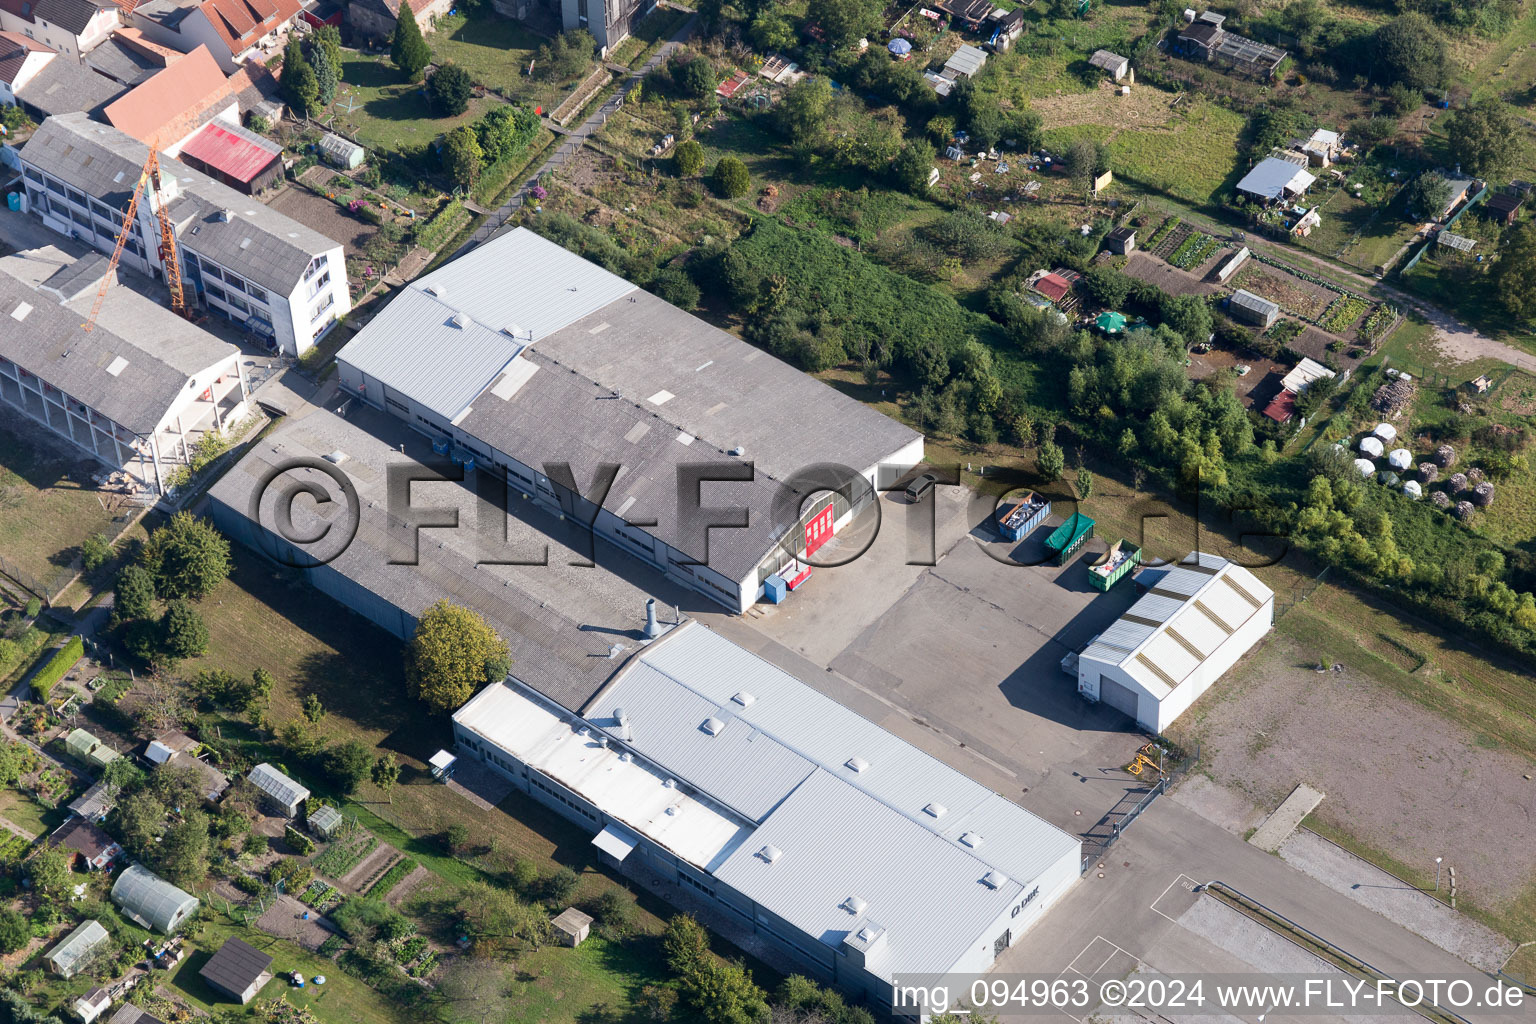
818,531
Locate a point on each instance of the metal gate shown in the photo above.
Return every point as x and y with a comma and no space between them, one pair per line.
1118,696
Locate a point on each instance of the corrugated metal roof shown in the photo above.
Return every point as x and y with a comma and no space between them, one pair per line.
549,288
1197,605
1272,177
741,766
423,346
927,894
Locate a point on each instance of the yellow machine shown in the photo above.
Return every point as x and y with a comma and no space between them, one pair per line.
1145,758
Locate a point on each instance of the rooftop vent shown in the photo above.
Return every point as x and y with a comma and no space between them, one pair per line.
994,879
770,853
20,312
621,716
583,732
336,457
669,784
854,905
856,764
626,757
868,933
935,810
671,811
458,320
971,839
439,289
712,726
225,216
743,698
738,451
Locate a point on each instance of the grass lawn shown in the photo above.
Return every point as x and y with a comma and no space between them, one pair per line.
386,112
47,504
341,1000
496,51
1190,159
21,810
556,985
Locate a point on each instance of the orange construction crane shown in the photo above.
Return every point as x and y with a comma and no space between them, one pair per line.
150,176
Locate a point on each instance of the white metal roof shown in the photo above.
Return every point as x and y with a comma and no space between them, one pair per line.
537,733
1189,611
927,894
1303,374
1272,177
967,60
158,752
422,346
786,714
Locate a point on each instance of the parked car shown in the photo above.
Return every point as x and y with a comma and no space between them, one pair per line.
918,489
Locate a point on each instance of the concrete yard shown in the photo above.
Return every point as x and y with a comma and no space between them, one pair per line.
964,656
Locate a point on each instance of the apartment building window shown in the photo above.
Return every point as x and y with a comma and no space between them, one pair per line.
319,283
209,270
325,304
214,292
36,176
234,282
316,265
55,187
77,198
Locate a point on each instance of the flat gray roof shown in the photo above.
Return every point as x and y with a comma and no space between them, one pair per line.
130,368
582,367
559,620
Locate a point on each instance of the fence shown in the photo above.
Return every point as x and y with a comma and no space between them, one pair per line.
1118,821
1482,193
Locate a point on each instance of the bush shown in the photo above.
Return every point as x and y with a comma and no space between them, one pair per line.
95,552
559,886
676,287
293,875
246,883
298,841
688,158
449,90
62,661
34,608
731,178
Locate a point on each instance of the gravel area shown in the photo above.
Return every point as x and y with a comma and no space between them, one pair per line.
1400,778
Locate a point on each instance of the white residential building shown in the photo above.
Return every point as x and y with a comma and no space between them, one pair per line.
279,279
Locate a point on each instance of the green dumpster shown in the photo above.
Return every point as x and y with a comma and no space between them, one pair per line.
1119,561
1064,541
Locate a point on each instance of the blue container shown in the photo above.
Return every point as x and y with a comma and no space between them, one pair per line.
13,200
440,447
775,589
1017,519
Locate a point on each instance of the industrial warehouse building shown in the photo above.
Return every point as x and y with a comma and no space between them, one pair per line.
521,354
137,391
263,271
843,847
562,620
1194,622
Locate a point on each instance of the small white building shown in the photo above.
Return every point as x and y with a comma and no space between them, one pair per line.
92,1005
1196,621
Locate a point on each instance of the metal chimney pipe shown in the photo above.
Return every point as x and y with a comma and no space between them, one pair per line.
652,627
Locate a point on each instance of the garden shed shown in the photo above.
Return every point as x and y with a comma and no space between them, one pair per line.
238,970
75,950
278,790
1251,309
340,152
150,901
572,926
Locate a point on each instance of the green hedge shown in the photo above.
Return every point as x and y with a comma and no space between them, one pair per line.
17,655
49,675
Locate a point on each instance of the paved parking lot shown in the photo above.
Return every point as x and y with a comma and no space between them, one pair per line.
964,657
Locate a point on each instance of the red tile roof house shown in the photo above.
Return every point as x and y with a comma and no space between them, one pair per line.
90,844
20,60
232,30
169,108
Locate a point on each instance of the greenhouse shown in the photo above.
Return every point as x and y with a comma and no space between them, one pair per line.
150,901
278,790
69,956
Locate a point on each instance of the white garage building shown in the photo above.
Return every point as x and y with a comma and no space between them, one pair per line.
521,354
1196,621
844,848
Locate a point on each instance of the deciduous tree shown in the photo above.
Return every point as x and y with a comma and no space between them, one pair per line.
1514,274
1408,50
453,654
1486,137
462,156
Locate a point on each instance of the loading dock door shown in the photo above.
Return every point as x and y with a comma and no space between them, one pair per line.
1118,696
